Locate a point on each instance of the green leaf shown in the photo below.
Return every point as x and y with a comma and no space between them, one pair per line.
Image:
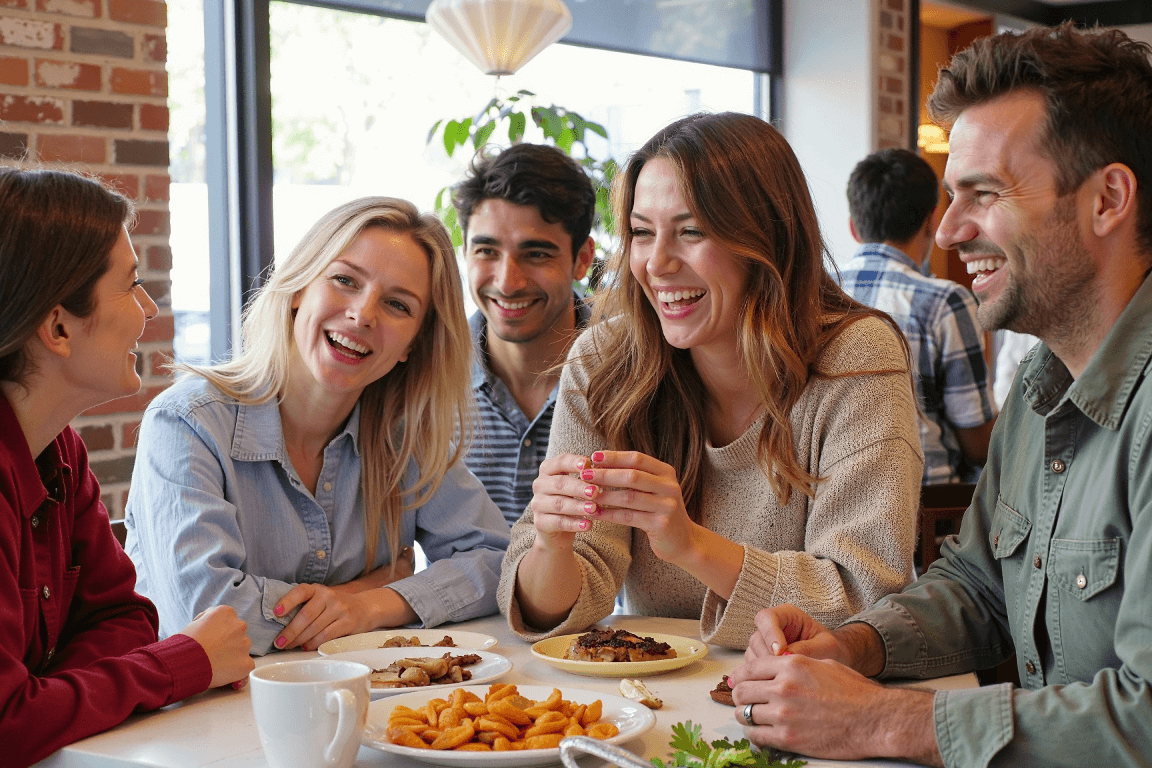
432,131
565,139
693,752
456,134
482,134
516,125
597,128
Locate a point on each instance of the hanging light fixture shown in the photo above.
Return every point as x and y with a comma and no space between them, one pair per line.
499,36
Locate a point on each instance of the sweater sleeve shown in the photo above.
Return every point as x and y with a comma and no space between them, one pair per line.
858,433
106,663
604,552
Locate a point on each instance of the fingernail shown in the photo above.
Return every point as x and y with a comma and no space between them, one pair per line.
237,685
598,456
775,649
278,610
786,653
581,463
589,507
589,491
586,474
729,681
584,525
280,642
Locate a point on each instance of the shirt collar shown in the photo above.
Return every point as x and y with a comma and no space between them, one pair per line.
886,251
1105,388
481,373
28,472
259,433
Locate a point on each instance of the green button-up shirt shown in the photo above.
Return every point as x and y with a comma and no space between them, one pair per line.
1053,562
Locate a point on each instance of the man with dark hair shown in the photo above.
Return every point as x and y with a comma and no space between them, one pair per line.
892,197
1050,174
526,214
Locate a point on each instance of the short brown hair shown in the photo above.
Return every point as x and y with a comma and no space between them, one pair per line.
1097,85
56,235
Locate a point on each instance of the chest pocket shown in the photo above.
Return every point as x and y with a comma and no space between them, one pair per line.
1083,569
1009,530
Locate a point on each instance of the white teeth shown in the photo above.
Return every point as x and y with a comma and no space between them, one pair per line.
667,297
511,304
985,265
344,341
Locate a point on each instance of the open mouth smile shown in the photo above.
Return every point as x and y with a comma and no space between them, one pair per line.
984,269
679,299
345,346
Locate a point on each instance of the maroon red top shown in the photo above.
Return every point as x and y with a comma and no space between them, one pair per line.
78,649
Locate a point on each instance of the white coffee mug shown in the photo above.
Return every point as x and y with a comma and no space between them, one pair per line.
310,713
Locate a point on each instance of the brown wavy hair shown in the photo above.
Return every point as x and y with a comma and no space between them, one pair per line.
744,186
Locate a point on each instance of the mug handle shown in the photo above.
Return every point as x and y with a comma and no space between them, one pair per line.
342,701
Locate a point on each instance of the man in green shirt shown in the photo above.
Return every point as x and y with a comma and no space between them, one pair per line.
1050,174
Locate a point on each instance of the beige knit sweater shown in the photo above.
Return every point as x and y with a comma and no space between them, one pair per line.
831,555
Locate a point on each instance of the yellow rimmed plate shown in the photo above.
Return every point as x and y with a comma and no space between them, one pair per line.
688,651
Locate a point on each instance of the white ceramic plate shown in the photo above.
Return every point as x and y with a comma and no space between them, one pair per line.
362,642
631,718
553,649
491,666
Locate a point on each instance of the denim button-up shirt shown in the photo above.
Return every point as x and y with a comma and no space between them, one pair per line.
217,515
1053,562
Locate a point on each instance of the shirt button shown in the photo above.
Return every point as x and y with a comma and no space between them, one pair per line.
1036,561
321,554
35,521
1057,466
327,486
48,656
527,442
1081,581
46,592
1031,668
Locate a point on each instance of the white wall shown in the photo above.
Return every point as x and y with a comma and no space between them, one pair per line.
827,102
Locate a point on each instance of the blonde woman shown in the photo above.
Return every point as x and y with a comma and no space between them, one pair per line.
734,432
286,482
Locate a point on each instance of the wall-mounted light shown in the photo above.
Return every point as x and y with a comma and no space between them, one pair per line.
499,36
932,139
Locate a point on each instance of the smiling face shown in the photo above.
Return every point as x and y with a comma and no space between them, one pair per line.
1018,237
102,362
521,269
359,318
694,284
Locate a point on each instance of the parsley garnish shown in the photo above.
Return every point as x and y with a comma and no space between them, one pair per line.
693,752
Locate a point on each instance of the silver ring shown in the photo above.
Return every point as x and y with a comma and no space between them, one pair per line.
748,714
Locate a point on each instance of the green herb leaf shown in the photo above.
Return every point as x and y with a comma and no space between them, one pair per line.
693,752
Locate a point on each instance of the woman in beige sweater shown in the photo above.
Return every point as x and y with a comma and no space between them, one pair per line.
736,432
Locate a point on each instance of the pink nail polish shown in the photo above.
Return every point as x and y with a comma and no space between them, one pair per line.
786,653
584,525
581,464
589,507
280,642
586,474
598,456
589,491
278,610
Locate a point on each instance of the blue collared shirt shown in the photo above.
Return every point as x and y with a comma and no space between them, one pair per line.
1053,562
217,515
939,319
507,447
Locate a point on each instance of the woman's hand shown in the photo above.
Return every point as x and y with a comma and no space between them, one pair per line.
560,501
224,637
326,613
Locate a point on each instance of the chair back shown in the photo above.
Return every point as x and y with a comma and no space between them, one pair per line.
119,530
942,505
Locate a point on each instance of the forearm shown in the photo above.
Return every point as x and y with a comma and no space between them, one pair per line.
548,583
713,559
905,728
388,608
861,647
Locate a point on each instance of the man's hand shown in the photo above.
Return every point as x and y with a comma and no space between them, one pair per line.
224,637
821,708
786,629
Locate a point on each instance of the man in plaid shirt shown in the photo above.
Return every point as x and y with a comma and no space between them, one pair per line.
892,196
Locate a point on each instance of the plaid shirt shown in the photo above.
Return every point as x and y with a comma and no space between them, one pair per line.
939,319
507,448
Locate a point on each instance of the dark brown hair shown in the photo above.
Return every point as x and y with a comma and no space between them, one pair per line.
56,234
744,186
1097,85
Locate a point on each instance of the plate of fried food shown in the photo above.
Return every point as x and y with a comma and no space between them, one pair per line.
408,638
400,670
619,653
499,725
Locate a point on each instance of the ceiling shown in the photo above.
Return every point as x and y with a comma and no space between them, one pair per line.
1108,13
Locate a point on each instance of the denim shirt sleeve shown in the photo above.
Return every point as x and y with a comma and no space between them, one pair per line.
185,527
464,535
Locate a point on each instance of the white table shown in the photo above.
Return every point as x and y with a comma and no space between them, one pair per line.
217,728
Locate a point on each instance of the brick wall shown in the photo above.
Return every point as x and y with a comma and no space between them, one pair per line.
892,65
83,86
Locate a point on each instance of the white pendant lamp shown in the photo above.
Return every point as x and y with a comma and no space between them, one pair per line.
499,36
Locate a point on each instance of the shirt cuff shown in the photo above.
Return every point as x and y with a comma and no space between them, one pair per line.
731,622
187,664
973,724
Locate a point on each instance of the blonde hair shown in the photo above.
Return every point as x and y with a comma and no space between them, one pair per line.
744,186
419,411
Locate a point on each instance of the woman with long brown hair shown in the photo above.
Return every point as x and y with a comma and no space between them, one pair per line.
734,431
78,646
287,481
